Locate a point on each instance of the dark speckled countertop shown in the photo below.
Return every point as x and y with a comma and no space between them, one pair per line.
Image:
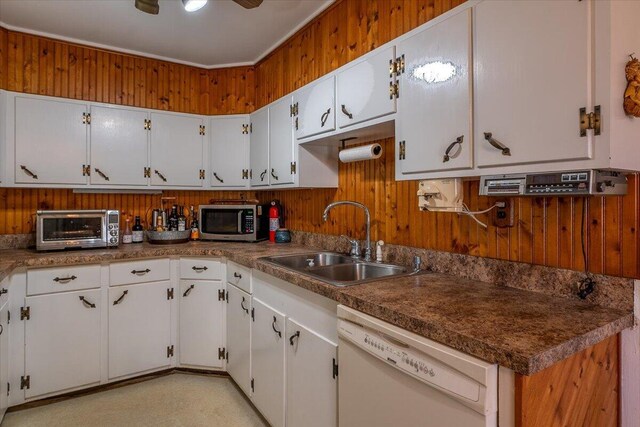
518,329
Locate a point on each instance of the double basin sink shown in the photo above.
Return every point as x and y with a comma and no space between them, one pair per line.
337,269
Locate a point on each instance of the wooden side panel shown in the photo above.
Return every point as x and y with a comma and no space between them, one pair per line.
582,390
4,35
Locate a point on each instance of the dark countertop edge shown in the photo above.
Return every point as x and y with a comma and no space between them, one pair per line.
467,344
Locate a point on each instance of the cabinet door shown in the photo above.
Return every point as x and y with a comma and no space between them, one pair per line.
267,362
259,148
434,120
312,384
281,143
4,359
201,323
363,89
139,328
176,150
315,105
62,341
118,146
239,337
51,141
532,75
229,151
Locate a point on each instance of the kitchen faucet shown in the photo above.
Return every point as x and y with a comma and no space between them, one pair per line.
367,244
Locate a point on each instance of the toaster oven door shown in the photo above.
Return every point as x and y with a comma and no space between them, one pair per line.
59,231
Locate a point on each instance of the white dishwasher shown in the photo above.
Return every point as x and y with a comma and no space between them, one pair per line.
390,377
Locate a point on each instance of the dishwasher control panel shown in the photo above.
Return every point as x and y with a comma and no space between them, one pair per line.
408,359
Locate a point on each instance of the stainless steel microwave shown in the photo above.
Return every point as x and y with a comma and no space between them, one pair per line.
233,222
56,230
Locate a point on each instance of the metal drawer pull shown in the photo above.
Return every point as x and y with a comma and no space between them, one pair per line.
87,302
140,272
119,300
294,336
497,144
246,310
102,174
64,279
458,141
188,291
273,174
262,175
28,172
273,326
325,116
199,269
215,175
160,175
237,275
346,112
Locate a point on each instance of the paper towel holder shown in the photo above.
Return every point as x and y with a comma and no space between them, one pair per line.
343,141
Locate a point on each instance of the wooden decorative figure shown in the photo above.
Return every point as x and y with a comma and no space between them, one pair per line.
632,94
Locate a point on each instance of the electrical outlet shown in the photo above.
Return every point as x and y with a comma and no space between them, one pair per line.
503,215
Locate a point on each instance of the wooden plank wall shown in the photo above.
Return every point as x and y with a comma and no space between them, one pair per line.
547,229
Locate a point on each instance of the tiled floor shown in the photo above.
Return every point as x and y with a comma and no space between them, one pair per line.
173,400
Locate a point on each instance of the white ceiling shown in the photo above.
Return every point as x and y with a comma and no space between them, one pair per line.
221,34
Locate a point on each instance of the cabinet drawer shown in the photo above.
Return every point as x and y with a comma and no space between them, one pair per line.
61,279
198,268
144,270
239,276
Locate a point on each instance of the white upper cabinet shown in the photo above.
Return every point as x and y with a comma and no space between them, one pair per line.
177,150
533,73
314,108
50,141
229,151
259,148
119,146
365,89
281,143
433,125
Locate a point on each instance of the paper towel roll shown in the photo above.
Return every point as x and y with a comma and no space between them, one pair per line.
365,152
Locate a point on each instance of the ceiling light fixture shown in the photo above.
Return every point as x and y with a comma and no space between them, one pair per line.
193,5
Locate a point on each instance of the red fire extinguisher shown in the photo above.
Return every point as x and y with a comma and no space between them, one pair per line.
274,220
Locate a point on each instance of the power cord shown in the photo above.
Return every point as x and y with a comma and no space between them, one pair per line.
472,214
587,285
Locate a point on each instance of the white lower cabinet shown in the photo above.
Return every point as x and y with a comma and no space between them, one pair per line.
312,378
62,341
267,362
4,359
239,337
139,328
201,323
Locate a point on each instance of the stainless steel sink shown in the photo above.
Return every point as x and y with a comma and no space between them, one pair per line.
338,269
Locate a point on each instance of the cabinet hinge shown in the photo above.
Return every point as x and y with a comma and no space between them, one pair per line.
396,67
169,293
147,172
335,369
86,170
245,173
253,388
253,314
296,123
221,295
245,129
202,173
147,124
293,110
394,90
203,130
86,118
590,121
402,150
25,382
293,168
25,313
169,351
222,353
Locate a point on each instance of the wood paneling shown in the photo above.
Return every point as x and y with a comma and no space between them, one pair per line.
547,231
582,390
48,67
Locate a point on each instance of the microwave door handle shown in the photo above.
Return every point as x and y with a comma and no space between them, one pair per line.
240,214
